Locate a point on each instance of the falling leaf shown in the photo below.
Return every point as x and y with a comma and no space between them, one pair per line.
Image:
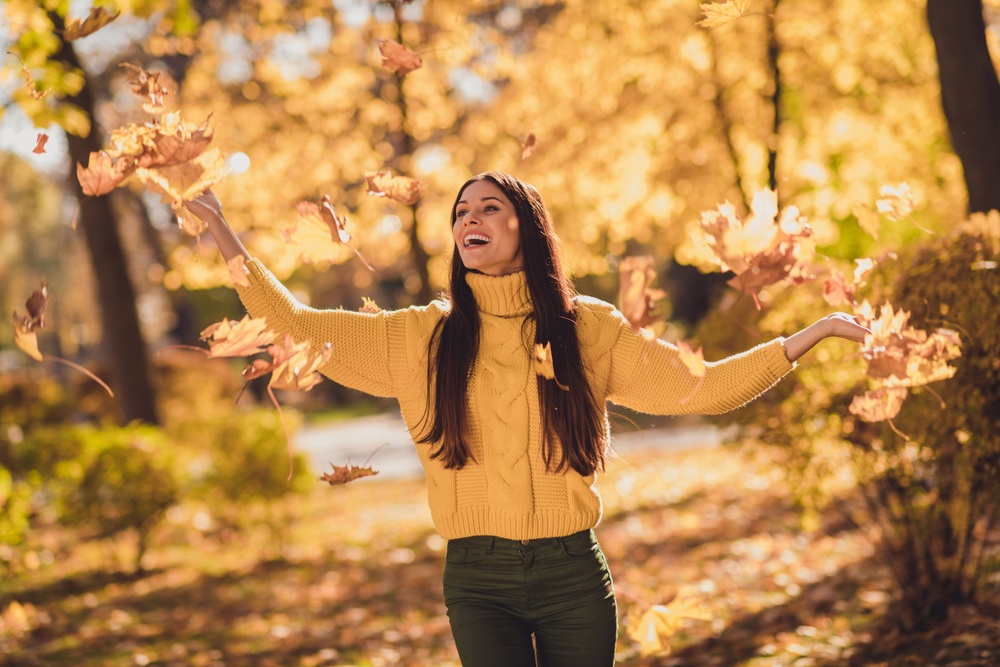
403,189
98,18
693,360
878,405
102,174
29,82
895,201
397,58
147,85
544,366
345,474
326,217
638,301
659,623
867,219
229,338
717,14
899,355
292,365
836,291
238,271
864,266
40,143
183,182
25,325
369,306
528,147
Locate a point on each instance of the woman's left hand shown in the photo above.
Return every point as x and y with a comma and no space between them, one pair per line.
844,325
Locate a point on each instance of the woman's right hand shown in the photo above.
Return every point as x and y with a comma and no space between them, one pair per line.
206,206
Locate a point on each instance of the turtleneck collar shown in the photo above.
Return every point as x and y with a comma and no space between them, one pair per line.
503,296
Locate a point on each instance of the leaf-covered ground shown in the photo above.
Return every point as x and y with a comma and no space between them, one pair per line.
351,576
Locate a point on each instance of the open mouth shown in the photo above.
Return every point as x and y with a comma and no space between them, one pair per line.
474,240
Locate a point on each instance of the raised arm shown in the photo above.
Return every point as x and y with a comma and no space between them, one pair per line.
208,207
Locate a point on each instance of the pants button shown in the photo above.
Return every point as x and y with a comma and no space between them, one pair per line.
525,542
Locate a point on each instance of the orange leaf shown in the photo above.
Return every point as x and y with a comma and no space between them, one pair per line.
895,201
292,365
148,85
229,338
40,143
864,266
238,271
403,189
345,474
867,220
397,58
693,360
25,326
659,623
836,291
98,18
637,299
529,145
542,360
717,13
29,82
878,405
102,174
369,306
326,217
901,356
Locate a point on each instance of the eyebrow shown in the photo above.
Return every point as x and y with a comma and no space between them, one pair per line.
462,201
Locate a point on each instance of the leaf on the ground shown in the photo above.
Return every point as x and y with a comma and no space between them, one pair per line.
229,338
98,18
639,302
868,220
369,306
720,13
529,146
544,366
238,271
403,189
895,201
878,405
693,360
148,85
836,290
397,58
345,474
762,249
26,325
40,142
102,174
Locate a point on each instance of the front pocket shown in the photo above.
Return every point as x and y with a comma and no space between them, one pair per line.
580,546
459,555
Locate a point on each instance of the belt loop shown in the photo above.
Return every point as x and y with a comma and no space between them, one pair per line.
489,545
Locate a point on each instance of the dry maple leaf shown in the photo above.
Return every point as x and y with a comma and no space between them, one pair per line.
345,474
717,13
325,216
238,271
542,360
148,85
878,405
369,306
638,301
899,355
864,266
693,360
529,146
397,58
868,220
836,291
25,325
659,623
403,189
229,338
102,174
895,201
98,18
292,365
40,142
29,82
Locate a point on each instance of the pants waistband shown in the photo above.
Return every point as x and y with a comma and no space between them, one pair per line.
491,542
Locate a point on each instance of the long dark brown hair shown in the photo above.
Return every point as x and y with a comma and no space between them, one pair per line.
573,420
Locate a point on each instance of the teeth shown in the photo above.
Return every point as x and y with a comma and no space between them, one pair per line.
475,237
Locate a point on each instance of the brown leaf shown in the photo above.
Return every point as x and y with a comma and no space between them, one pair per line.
345,474
637,300
878,405
325,216
98,18
717,13
173,149
544,366
29,82
397,58
836,291
292,365
238,271
183,182
529,146
403,189
26,325
229,338
102,174
369,306
40,142
895,201
148,85
901,356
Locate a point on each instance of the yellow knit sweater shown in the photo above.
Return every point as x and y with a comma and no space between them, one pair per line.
505,489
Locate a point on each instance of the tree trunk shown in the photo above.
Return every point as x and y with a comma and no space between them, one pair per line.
122,338
970,95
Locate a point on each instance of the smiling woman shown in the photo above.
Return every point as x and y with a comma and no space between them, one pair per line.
511,458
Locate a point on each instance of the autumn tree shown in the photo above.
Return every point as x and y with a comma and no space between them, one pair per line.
970,95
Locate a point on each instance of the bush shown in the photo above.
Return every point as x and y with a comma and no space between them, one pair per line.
931,478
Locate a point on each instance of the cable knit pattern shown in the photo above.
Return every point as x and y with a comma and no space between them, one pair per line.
507,491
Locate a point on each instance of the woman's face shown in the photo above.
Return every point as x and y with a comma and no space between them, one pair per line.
486,230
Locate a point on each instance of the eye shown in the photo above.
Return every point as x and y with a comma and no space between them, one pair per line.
491,207
460,213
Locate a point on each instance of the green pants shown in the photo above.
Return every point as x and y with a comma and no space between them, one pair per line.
501,592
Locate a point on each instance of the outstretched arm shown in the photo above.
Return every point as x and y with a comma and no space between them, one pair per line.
208,207
836,325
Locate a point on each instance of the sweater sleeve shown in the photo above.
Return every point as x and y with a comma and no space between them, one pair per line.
648,376
367,350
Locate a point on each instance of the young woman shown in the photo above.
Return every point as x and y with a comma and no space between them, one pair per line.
511,458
